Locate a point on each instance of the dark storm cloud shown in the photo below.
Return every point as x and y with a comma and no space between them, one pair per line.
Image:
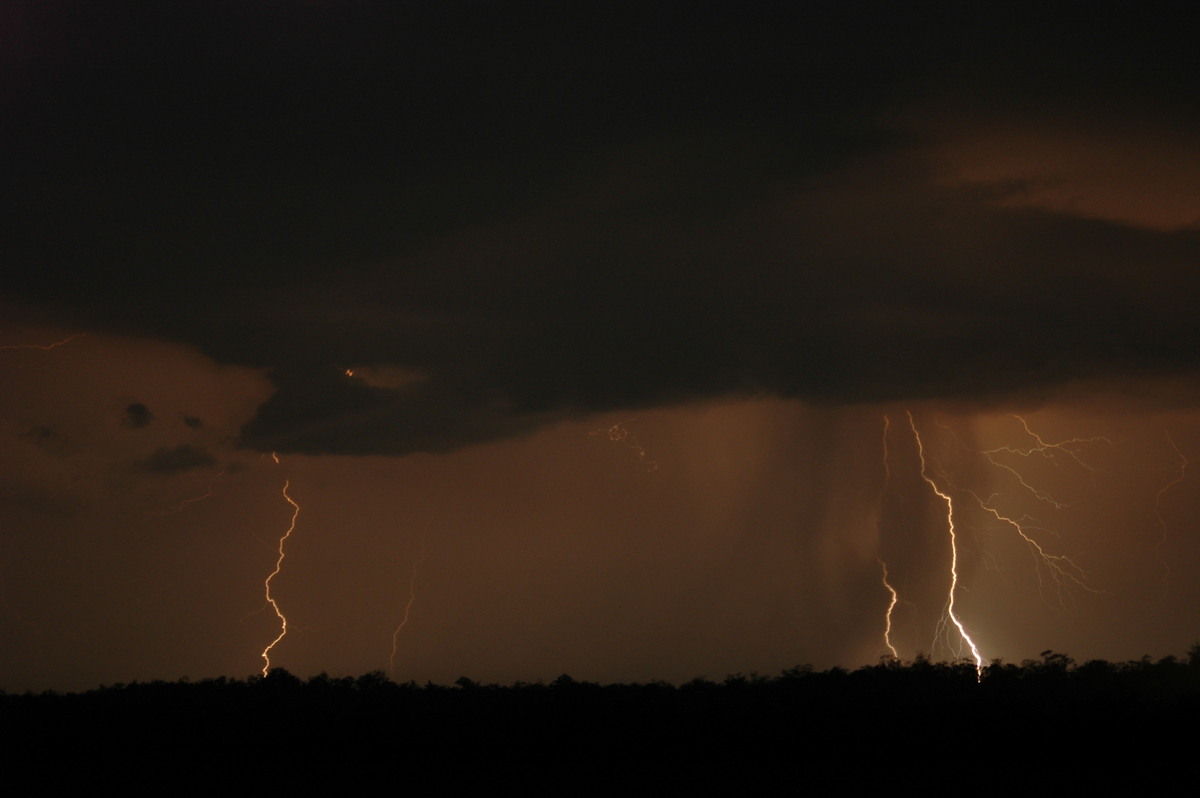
137,415
554,213
176,460
193,422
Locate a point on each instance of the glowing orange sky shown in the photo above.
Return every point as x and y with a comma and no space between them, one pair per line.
600,311
754,544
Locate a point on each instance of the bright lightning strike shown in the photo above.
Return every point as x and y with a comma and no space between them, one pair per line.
1061,568
958,624
278,567
887,629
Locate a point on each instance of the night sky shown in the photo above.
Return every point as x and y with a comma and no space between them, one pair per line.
602,339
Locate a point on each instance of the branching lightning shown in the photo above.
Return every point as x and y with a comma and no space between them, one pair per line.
1064,571
1049,451
278,567
1061,568
958,624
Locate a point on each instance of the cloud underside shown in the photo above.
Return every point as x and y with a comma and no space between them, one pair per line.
538,232
965,302
168,461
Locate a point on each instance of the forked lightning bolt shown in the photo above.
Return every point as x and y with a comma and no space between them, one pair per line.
1049,451
266,654
1061,568
958,624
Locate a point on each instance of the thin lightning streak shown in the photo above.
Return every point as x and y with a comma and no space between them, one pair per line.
278,567
1046,450
412,596
1062,446
962,630
887,478
44,347
1158,497
1062,568
183,505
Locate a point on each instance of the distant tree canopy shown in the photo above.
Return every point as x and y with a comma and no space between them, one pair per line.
472,736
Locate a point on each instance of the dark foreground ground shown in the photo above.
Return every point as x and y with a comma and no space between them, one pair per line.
1043,727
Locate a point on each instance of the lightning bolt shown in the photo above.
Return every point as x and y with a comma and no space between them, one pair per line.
412,596
1062,568
958,624
44,347
183,505
887,478
266,654
887,629
1046,450
1158,497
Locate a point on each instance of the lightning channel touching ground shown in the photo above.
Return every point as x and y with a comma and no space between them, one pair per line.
1062,570
412,597
266,654
895,597
958,624
887,628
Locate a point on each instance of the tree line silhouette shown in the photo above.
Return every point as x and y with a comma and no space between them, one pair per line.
1047,722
